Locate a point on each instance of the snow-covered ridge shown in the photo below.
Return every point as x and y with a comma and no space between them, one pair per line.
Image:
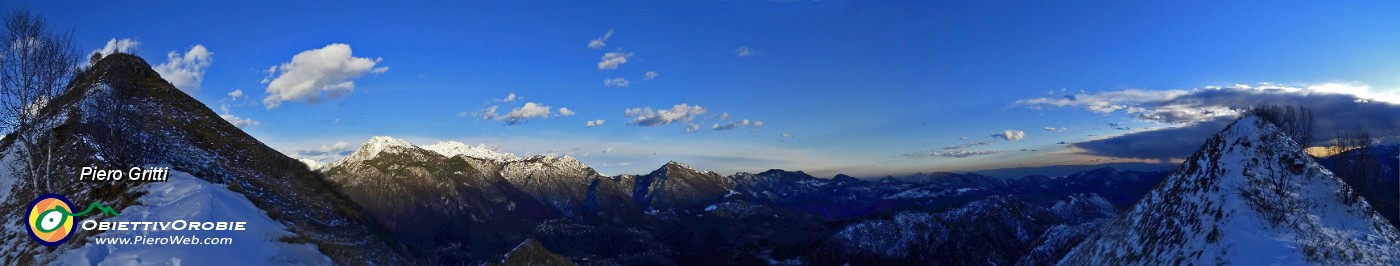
379,144
548,165
453,148
1250,196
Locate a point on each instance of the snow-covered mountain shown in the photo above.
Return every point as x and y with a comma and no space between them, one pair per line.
676,186
677,212
568,185
120,113
453,148
1249,196
445,208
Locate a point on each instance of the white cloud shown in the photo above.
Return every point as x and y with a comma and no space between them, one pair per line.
617,82
692,128
647,117
968,145
1364,93
235,94
527,112
269,74
509,98
322,154
612,60
734,124
124,45
485,114
1054,129
1195,114
518,115
787,135
594,123
650,75
1207,103
952,153
1011,135
745,51
186,71
318,74
960,150
1105,102
600,41
238,121
235,120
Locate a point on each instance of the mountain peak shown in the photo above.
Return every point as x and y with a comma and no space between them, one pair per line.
453,148
1249,196
676,185
126,73
119,111
677,164
374,146
387,140
123,66
380,143
845,178
672,166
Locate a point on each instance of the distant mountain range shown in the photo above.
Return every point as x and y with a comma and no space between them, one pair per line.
392,202
486,201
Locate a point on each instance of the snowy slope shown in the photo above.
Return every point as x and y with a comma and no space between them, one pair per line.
8,176
185,197
1250,196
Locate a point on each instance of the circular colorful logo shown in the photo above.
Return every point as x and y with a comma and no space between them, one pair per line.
50,222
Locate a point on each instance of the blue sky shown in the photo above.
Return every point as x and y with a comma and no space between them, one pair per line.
855,87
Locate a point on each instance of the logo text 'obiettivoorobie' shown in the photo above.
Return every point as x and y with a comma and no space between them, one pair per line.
50,218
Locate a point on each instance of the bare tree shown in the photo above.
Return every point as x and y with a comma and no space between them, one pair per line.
120,146
1357,166
1296,121
35,66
